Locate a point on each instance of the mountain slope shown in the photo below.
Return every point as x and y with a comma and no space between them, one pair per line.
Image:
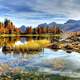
72,25
23,28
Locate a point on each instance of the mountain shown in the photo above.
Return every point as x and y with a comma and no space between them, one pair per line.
70,21
43,25
72,25
53,24
50,25
23,28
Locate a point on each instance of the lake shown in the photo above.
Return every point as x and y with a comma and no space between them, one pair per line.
33,64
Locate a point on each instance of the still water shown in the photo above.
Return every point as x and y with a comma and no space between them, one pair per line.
57,64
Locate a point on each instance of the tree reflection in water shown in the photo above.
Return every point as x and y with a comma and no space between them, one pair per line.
33,46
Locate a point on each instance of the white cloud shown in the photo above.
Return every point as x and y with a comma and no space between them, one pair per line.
39,11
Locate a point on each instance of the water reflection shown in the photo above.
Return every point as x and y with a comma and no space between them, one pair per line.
8,44
38,54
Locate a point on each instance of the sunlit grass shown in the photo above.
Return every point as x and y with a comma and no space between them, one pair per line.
32,45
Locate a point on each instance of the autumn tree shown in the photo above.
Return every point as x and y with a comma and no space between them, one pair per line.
1,27
29,30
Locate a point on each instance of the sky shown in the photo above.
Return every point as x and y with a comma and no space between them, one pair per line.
34,12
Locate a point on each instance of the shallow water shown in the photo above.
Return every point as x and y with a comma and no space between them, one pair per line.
49,62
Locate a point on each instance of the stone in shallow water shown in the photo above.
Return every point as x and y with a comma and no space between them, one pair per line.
58,63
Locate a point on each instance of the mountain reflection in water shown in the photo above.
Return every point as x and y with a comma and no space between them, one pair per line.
40,58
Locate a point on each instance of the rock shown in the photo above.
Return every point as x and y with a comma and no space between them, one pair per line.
58,63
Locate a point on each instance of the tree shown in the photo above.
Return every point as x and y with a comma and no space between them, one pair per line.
6,22
29,30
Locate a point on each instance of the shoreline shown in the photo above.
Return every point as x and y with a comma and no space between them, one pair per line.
43,35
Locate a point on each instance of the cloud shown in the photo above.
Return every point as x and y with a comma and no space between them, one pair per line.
38,11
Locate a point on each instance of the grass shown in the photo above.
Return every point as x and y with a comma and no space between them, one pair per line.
31,46
34,44
41,35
